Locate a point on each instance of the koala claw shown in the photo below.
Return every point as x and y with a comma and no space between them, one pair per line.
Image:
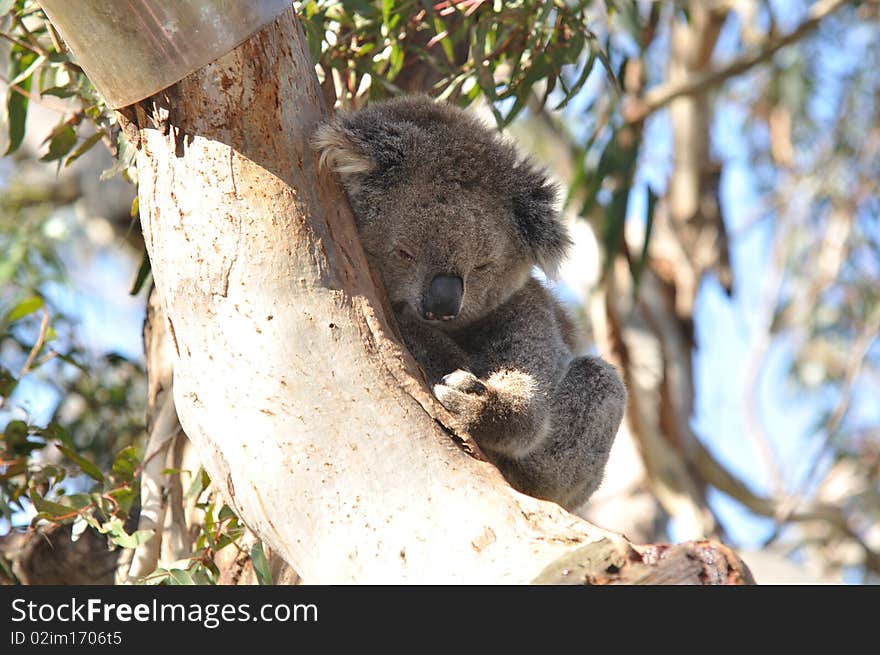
462,393
463,381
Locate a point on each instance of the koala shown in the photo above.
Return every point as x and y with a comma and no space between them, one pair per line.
454,220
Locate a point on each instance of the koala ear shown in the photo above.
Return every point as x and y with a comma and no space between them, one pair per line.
351,146
339,152
538,223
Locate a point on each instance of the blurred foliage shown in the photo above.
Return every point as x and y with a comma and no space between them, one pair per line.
81,466
576,67
39,65
820,155
495,50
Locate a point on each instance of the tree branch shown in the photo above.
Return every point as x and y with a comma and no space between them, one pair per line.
720,478
658,97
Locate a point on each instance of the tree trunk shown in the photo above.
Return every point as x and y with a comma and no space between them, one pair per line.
306,412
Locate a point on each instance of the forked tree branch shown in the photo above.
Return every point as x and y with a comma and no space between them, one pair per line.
660,96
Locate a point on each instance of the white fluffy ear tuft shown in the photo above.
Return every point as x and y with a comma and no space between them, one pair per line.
339,153
537,221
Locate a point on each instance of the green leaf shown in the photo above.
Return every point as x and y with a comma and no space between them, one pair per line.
87,467
66,91
396,61
28,71
180,577
200,481
201,575
131,540
115,529
61,141
226,513
261,564
83,148
445,42
125,463
523,89
79,501
10,471
649,226
16,112
576,87
157,577
212,572
8,382
125,155
141,277
125,497
15,434
49,509
5,567
24,308
606,64
20,62
209,517
70,360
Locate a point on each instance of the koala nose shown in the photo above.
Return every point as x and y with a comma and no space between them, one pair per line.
443,299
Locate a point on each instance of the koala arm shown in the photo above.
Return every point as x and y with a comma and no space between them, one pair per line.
506,412
507,408
505,398
434,350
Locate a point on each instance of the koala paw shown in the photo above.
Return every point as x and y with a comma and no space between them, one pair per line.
463,394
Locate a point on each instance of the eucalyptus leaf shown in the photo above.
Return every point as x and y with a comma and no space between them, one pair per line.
24,308
58,432
131,540
16,113
87,467
261,564
8,382
15,434
61,141
84,147
50,509
125,463
180,577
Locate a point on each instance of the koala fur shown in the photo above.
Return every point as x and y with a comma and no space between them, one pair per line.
454,219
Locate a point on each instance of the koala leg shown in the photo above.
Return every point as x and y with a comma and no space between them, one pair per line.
586,409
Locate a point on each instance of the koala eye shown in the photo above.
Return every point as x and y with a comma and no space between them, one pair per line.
483,267
405,254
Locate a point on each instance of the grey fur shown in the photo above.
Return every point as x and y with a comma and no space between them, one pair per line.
435,192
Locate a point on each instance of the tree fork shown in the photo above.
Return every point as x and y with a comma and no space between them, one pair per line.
306,411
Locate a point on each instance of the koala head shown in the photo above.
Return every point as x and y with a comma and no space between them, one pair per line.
451,215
